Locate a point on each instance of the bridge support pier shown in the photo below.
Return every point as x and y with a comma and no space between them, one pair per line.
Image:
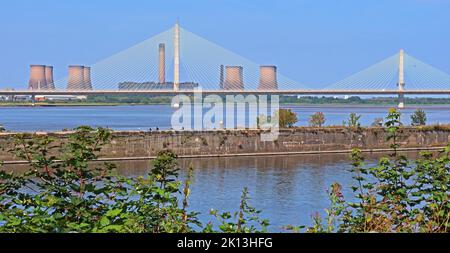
401,80
33,100
401,101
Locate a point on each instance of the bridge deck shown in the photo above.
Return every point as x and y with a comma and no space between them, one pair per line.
227,92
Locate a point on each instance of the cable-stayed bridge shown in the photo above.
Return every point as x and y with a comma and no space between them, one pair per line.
179,62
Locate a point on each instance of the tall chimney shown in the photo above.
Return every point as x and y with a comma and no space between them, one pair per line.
49,78
268,78
162,63
38,79
221,77
76,78
234,78
87,78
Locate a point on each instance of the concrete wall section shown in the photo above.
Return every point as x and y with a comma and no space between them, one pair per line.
146,144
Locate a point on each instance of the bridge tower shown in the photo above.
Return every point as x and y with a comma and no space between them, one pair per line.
162,64
176,65
401,80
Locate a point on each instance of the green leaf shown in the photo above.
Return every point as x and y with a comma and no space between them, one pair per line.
113,213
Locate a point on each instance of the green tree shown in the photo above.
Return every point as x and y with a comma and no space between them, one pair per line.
317,119
419,118
286,118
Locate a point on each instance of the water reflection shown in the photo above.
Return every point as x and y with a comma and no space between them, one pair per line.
289,189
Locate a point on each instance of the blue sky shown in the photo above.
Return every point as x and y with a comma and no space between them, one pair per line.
315,42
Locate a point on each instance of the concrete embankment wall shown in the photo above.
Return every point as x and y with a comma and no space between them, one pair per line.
141,145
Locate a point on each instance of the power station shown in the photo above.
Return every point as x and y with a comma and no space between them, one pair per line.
161,83
79,76
76,78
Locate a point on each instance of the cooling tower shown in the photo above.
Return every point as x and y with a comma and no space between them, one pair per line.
37,78
162,63
76,78
268,78
234,79
49,78
87,85
221,77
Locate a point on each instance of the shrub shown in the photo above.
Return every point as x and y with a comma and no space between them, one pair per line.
397,195
64,192
286,118
73,195
353,120
419,118
317,119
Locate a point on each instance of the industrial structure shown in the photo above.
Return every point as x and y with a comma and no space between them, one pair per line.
268,78
38,79
221,78
79,78
76,78
49,78
87,84
162,84
378,79
234,78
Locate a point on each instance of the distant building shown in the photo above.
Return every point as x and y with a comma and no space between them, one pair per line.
42,98
22,98
5,98
156,86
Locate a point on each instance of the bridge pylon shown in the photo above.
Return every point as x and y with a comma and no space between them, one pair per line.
401,79
176,65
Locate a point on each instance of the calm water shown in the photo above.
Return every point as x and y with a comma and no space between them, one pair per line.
152,116
288,189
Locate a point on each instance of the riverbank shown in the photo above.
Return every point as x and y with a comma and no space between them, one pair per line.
141,145
74,104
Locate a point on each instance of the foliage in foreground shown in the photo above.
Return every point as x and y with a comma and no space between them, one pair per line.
397,195
67,193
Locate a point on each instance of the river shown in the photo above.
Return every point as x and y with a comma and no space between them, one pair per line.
152,116
288,189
